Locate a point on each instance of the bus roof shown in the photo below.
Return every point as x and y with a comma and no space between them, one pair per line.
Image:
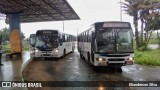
112,24
45,31
52,30
48,30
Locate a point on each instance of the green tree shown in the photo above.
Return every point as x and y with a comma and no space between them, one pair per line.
5,33
147,11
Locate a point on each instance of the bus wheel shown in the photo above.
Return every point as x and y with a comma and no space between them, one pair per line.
64,52
81,56
92,55
72,50
118,69
34,58
88,58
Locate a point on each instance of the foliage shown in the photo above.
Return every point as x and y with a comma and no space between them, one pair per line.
148,12
7,48
23,36
148,57
153,41
5,33
5,36
25,45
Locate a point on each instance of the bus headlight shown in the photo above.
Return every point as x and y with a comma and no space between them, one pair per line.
32,51
36,50
100,59
56,51
130,58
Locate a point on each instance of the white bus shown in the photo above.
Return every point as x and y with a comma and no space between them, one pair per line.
107,44
52,43
32,42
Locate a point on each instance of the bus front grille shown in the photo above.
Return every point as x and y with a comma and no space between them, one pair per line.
46,54
115,55
117,59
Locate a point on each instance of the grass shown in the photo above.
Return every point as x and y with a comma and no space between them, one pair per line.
7,48
149,57
153,41
25,45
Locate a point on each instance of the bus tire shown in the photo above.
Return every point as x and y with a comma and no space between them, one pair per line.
72,50
81,56
92,56
80,53
34,58
118,69
64,52
88,58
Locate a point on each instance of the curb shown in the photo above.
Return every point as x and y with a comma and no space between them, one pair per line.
23,66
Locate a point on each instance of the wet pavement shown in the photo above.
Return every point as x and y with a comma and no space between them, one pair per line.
12,69
72,68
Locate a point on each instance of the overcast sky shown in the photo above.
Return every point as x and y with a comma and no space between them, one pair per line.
89,11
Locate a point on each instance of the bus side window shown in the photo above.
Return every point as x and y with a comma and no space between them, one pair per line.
67,38
60,39
83,39
63,37
90,35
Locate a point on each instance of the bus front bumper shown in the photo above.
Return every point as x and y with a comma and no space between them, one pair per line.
48,54
113,62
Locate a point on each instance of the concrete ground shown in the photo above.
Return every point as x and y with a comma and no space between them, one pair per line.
72,68
12,69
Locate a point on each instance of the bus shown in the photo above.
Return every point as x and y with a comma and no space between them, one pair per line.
107,44
52,43
32,42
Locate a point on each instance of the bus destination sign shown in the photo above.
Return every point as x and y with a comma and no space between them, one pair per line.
116,24
47,32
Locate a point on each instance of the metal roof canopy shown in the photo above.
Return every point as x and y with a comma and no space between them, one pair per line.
38,10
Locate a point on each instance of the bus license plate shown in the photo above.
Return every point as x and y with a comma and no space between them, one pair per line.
116,62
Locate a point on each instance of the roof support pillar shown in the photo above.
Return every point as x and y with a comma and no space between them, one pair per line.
15,33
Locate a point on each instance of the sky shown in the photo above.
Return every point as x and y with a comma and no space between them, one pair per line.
89,11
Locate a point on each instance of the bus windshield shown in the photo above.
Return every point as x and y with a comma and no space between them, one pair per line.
32,40
46,41
114,41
